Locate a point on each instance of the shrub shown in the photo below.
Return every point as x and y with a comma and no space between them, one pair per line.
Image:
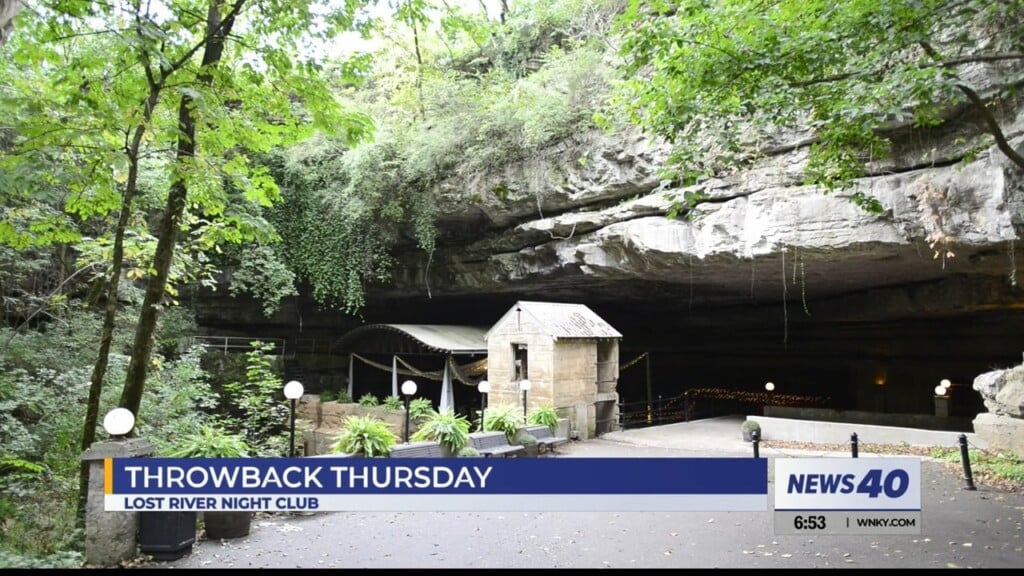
344,397
256,408
328,396
209,442
393,402
420,408
506,418
365,436
468,452
448,429
524,438
545,416
368,400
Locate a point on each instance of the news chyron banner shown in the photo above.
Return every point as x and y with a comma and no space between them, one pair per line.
436,484
847,496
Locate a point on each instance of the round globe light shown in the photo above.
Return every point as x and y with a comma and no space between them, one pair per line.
524,385
119,422
940,391
945,383
484,387
769,386
408,387
293,390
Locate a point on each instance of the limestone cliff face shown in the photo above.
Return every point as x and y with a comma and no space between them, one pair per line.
586,221
590,217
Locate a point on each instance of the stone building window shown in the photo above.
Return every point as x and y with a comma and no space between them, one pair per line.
521,369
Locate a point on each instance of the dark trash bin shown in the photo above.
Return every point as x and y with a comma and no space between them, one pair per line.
167,535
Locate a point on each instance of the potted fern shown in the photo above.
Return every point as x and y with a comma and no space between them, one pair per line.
504,417
214,442
365,436
448,429
544,416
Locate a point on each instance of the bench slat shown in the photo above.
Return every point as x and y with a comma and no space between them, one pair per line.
417,450
493,444
545,437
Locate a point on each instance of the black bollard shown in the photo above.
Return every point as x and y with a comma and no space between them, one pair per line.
966,458
755,439
686,406
853,444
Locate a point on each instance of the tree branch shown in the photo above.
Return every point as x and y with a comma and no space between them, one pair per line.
993,125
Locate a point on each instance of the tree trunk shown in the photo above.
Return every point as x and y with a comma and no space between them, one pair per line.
142,348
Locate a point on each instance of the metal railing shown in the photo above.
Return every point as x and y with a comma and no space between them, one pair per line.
681,408
236,343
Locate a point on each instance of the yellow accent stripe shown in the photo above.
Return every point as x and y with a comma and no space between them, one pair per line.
108,476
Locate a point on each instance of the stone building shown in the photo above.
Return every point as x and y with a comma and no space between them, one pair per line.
569,355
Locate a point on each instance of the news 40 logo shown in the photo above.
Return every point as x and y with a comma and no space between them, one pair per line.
848,495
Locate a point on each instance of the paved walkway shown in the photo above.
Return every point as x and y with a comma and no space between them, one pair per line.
960,528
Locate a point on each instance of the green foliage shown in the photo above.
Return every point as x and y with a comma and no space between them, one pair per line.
180,400
255,408
420,408
344,397
392,402
365,436
264,275
328,396
545,416
209,442
369,399
504,417
987,466
468,452
448,429
44,380
479,95
65,559
722,80
750,426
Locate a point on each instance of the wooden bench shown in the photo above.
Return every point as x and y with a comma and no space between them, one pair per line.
417,450
490,444
545,438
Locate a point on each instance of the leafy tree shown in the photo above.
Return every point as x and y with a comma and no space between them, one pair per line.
94,89
721,79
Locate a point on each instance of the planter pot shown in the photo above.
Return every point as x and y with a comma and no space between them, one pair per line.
167,535
222,525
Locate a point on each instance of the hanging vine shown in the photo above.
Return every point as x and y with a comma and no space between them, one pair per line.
1013,266
785,311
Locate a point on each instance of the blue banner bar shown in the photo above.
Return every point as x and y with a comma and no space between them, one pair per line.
409,476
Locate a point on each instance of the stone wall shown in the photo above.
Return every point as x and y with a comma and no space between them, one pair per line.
512,329
321,422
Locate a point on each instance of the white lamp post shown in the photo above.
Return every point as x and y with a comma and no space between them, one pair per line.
408,389
524,385
293,391
485,388
119,422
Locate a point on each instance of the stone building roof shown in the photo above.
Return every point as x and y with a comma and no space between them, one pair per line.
562,320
